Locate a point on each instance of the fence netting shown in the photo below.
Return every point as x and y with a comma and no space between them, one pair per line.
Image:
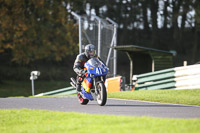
91,35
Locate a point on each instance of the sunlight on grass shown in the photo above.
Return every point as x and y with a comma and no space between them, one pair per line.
32,121
190,97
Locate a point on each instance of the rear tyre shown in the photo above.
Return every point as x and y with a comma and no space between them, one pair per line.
102,96
81,100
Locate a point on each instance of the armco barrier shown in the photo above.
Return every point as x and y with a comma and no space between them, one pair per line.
112,84
187,77
64,91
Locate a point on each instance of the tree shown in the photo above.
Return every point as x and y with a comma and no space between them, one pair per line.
35,30
42,29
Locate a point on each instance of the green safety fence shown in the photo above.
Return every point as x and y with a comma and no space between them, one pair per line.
63,91
173,78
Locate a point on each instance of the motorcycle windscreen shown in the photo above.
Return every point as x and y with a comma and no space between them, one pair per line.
87,83
95,62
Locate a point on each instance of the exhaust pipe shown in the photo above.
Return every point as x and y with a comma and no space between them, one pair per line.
73,81
73,84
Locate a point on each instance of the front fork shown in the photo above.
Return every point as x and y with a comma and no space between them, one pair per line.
96,81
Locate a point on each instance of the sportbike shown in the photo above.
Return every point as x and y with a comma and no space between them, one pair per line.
93,87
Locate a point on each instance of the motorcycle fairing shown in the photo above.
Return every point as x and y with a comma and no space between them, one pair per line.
86,94
87,83
96,71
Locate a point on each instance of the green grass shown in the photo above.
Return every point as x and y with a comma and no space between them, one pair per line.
190,97
38,121
23,88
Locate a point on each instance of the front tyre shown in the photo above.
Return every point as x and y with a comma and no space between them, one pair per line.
102,96
81,100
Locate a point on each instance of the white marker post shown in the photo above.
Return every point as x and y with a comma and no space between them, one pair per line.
34,76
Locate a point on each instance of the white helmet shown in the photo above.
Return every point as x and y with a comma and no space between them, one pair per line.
134,78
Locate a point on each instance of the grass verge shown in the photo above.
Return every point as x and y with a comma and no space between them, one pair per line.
33,121
189,97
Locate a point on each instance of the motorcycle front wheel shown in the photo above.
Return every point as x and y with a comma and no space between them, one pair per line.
102,95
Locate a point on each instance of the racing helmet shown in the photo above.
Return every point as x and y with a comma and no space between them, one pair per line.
90,50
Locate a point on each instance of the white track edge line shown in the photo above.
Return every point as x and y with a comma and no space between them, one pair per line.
154,102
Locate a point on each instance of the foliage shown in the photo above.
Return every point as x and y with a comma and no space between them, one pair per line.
25,120
44,30
38,29
161,24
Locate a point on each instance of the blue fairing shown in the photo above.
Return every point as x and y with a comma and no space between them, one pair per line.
87,95
96,71
95,68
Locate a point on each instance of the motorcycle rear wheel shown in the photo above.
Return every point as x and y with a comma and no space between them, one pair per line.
102,96
81,100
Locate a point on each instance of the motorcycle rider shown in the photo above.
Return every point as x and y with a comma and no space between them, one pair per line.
90,52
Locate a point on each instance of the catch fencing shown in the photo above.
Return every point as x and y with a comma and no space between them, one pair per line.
103,34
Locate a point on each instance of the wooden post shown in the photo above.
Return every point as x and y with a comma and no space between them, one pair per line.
131,68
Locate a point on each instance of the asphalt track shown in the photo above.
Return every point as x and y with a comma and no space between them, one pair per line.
112,107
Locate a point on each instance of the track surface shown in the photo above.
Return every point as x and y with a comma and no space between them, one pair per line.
113,107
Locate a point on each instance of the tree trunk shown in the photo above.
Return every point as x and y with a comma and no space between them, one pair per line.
197,32
144,12
154,10
183,21
176,31
165,15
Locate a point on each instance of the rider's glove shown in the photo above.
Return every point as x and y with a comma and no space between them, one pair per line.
82,73
107,68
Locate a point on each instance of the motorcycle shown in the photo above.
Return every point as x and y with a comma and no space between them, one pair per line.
93,87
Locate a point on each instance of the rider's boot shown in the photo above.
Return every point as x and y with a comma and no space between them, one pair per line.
78,88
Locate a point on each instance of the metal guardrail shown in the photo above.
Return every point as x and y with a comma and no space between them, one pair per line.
154,76
187,77
63,91
175,78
